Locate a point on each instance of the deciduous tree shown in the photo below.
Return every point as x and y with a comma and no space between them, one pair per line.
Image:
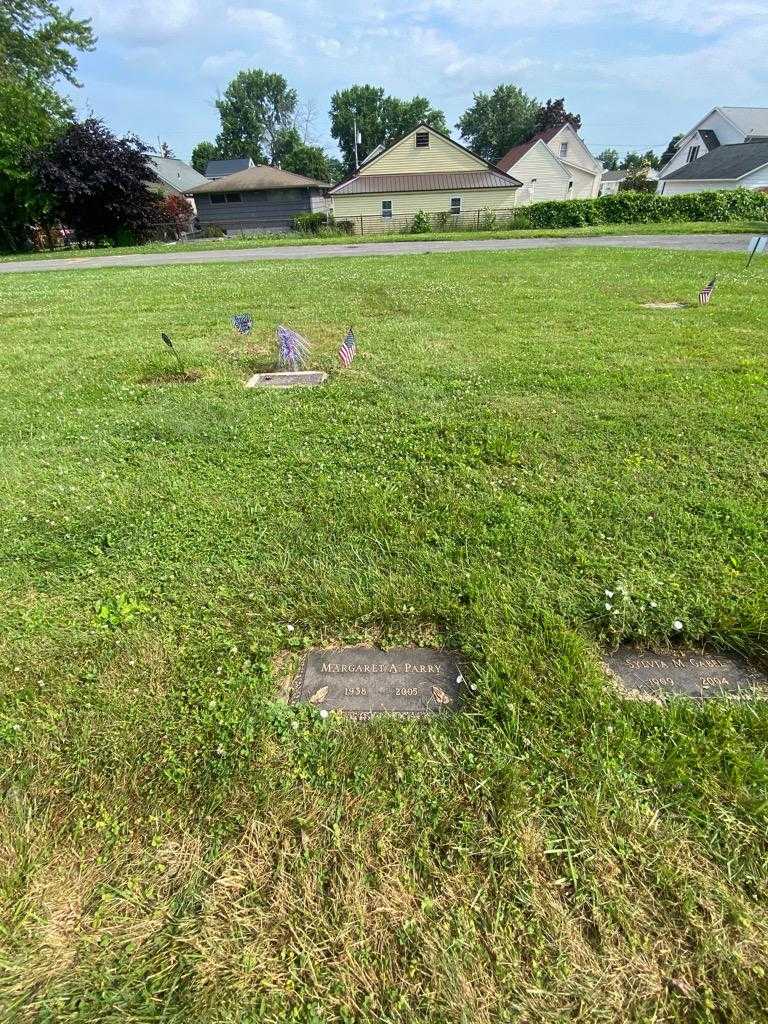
100,185
202,153
553,114
497,122
38,43
609,158
381,119
671,149
256,108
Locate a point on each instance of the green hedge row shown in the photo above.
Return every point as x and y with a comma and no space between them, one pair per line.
645,208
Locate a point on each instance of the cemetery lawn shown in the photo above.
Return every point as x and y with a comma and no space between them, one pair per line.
523,464
257,241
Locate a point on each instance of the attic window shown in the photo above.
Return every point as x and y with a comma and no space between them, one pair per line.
563,150
693,153
422,140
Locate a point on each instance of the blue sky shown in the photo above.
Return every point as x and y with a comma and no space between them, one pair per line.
636,70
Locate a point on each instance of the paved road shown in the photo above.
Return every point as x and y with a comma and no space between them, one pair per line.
709,243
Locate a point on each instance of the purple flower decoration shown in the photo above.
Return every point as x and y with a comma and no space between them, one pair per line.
292,349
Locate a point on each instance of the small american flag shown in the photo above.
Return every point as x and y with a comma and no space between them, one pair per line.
242,323
706,293
348,349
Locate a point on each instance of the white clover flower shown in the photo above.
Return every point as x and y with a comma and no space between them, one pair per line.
290,628
608,606
609,593
653,604
323,713
677,624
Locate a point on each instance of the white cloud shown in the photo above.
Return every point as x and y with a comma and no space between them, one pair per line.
140,21
270,26
215,63
329,47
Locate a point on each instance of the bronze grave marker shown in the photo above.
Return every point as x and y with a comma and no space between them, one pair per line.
362,682
685,673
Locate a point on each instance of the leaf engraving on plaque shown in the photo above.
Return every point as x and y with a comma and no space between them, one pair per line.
319,697
441,696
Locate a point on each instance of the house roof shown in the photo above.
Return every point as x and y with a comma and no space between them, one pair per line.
711,140
750,120
615,175
358,184
724,163
220,168
258,179
432,181
176,173
513,155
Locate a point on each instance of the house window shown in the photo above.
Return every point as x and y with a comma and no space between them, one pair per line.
455,204
386,208
422,140
693,153
532,187
218,197
233,197
563,150
570,186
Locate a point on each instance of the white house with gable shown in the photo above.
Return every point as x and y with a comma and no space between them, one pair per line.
722,126
555,164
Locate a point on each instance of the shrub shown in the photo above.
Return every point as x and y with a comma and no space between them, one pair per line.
177,213
309,223
344,227
629,207
421,223
487,220
213,231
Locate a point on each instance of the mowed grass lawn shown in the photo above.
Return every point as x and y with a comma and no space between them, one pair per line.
516,437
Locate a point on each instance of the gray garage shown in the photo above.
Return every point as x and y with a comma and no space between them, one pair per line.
259,198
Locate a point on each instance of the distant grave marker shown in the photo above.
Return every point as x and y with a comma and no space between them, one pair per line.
685,674
665,305
363,682
287,379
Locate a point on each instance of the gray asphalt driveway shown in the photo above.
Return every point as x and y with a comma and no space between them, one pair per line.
707,243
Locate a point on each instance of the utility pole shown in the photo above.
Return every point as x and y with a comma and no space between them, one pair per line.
358,139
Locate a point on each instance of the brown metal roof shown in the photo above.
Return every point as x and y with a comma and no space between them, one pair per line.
256,179
433,181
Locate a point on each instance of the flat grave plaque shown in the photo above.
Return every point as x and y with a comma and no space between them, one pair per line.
685,674
665,305
362,682
287,379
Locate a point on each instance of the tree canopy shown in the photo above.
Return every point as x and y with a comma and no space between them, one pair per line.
609,158
37,41
381,119
99,185
671,149
256,108
553,114
202,153
497,122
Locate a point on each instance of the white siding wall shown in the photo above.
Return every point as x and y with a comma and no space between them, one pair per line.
551,179
723,129
586,184
577,153
759,179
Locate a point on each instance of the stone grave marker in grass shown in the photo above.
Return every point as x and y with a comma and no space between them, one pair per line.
292,353
362,682
684,673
